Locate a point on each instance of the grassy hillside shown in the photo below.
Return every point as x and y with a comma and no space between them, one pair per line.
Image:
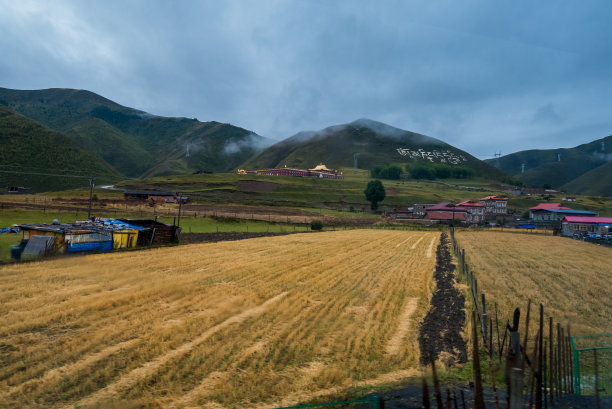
132,141
374,142
597,182
308,193
31,148
544,167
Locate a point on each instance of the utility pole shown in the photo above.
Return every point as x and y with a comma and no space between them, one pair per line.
180,199
91,186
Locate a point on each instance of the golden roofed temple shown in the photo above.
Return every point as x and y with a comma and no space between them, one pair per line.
319,171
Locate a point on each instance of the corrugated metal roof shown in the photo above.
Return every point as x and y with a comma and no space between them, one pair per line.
586,219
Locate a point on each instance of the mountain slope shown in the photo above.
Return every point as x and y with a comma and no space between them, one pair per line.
31,152
375,143
134,142
596,182
556,167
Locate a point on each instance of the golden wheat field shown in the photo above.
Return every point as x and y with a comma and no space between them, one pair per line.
256,323
572,279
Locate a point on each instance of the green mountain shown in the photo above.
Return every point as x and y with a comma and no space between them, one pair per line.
595,182
373,143
555,167
41,159
134,142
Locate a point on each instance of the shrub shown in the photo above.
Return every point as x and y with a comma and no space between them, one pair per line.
316,225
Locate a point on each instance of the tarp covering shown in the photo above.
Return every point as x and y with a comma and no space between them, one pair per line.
90,246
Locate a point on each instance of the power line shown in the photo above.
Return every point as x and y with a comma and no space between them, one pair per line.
43,174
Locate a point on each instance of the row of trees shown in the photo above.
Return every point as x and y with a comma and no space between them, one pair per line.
423,171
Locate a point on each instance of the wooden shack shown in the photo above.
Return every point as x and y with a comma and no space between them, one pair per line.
156,232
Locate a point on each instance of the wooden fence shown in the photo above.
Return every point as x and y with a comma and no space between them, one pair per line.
537,371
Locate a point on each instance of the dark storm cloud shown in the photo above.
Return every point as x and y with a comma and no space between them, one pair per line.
480,75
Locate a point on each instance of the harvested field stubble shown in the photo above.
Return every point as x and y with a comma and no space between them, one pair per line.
234,324
572,279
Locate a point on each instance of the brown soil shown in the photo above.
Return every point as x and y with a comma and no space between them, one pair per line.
440,332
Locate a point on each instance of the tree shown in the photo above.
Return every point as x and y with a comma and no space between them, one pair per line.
375,192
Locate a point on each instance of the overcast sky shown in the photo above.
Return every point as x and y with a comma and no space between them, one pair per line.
484,76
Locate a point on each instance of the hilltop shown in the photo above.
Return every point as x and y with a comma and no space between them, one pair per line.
38,151
133,142
373,142
581,169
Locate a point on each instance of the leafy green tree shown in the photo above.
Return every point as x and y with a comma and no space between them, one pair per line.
374,193
392,172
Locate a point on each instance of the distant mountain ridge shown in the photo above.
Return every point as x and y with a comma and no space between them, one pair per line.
135,143
372,143
582,169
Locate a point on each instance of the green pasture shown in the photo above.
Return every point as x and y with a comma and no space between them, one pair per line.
344,197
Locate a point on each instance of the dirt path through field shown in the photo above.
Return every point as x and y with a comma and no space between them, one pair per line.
395,343
151,367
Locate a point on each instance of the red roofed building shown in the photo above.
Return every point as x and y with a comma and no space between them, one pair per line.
576,226
547,212
447,211
476,210
549,206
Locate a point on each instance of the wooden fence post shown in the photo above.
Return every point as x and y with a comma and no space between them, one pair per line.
437,390
478,397
539,373
596,379
551,377
526,336
426,404
515,373
558,371
570,359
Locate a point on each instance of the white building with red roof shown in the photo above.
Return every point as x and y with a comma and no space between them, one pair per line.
495,205
476,210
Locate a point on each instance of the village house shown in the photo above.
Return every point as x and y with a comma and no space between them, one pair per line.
494,206
418,209
152,196
554,212
581,226
476,210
